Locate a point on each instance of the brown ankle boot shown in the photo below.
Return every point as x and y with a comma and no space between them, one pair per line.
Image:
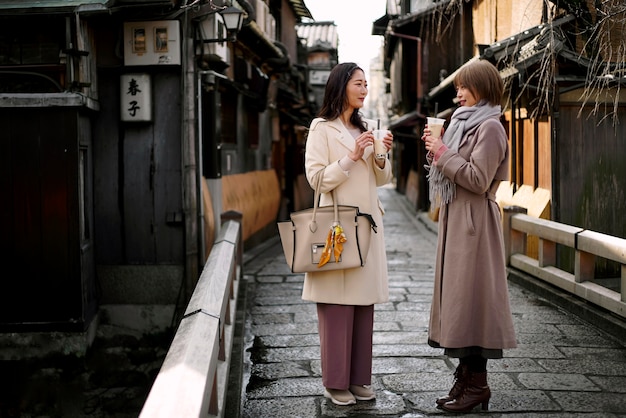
475,392
460,375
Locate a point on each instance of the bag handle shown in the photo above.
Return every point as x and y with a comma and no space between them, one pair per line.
313,224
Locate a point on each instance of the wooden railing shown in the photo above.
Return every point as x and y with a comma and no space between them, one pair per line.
587,246
193,379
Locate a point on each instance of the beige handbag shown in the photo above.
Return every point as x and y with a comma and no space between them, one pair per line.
311,235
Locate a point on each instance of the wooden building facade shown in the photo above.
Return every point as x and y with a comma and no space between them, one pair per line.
129,127
547,118
565,101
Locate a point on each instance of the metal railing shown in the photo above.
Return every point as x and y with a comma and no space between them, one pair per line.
587,245
193,379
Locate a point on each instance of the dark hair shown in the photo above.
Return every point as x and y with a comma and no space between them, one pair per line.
483,80
335,100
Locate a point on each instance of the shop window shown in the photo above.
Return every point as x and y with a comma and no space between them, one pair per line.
31,54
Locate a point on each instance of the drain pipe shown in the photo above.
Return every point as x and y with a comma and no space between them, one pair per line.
190,176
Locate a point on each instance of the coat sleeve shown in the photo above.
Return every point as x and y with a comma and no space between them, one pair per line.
317,156
383,175
477,173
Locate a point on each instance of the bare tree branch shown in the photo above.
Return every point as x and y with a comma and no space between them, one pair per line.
597,39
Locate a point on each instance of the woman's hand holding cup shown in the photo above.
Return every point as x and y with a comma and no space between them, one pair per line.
382,143
436,126
433,132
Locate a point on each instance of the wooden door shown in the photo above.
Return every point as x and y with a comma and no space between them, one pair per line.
42,227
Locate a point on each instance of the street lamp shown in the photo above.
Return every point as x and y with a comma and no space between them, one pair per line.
233,20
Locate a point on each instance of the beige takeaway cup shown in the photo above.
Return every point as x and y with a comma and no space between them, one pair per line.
380,151
435,125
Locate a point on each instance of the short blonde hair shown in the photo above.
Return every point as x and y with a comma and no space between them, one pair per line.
483,80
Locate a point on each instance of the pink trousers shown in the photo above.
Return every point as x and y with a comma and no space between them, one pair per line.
345,344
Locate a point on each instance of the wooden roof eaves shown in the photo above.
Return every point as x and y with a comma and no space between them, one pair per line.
300,9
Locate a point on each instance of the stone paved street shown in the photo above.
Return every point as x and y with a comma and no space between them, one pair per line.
563,366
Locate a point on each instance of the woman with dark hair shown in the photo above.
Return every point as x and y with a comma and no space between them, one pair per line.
339,148
470,313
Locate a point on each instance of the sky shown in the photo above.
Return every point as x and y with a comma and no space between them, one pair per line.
354,20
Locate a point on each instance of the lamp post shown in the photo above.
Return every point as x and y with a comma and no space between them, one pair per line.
210,30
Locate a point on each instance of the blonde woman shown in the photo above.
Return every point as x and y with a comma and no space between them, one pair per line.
470,313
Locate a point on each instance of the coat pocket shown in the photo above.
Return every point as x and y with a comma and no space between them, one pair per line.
471,229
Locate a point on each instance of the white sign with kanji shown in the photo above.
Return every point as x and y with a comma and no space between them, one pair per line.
136,98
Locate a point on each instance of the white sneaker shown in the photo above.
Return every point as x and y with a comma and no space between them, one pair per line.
362,392
340,397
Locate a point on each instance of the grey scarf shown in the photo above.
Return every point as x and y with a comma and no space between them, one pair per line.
463,120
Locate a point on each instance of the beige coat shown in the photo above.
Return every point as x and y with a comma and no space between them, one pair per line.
470,304
327,143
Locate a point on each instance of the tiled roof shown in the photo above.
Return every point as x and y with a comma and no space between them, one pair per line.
319,34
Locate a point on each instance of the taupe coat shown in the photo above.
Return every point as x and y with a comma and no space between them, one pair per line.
327,143
470,305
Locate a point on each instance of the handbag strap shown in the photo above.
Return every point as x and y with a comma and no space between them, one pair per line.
313,225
